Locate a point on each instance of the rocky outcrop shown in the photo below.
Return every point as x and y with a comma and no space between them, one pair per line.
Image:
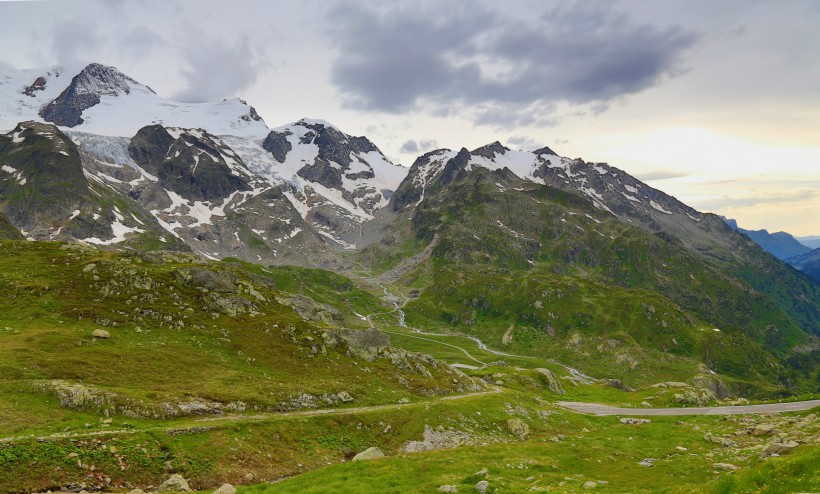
277,144
552,382
439,438
192,163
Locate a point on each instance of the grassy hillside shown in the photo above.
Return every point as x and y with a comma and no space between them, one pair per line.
513,254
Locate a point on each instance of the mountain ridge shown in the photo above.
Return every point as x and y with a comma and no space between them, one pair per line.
308,194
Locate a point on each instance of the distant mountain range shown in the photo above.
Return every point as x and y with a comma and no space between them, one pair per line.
545,254
781,244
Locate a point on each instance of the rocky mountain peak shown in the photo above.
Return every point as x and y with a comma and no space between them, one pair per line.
85,91
490,150
545,150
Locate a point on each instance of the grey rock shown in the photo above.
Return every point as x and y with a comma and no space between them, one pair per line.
726,466
763,430
723,441
448,488
778,448
175,483
101,333
552,381
519,428
369,454
481,486
634,421
225,489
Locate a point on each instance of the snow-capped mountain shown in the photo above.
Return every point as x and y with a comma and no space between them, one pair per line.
101,100
608,188
216,177
337,181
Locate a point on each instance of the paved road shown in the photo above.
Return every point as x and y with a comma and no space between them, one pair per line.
598,409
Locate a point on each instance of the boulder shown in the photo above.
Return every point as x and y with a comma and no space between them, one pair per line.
175,483
723,441
481,487
101,333
519,428
763,430
552,382
369,454
590,485
778,448
226,489
726,466
448,488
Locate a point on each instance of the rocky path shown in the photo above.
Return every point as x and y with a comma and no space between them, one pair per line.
598,409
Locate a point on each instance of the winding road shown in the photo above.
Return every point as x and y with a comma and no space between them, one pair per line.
598,409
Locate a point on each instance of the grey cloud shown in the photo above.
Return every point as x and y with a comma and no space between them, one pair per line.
422,146
524,142
74,40
217,69
140,42
561,141
659,175
398,59
387,61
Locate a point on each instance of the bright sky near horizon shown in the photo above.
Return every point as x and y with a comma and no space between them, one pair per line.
716,103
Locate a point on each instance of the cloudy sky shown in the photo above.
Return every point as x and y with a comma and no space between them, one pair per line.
717,103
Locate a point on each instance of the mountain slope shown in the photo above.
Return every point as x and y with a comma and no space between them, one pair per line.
46,194
808,263
7,230
492,231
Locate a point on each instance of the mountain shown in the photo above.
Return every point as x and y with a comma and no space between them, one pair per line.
616,275
781,244
47,195
808,263
98,99
812,241
486,224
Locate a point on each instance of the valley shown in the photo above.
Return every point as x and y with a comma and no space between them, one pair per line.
188,292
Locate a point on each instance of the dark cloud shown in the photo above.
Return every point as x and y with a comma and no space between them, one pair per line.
397,59
217,69
659,175
422,146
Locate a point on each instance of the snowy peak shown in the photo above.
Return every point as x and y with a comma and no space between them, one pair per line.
84,92
315,154
102,100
